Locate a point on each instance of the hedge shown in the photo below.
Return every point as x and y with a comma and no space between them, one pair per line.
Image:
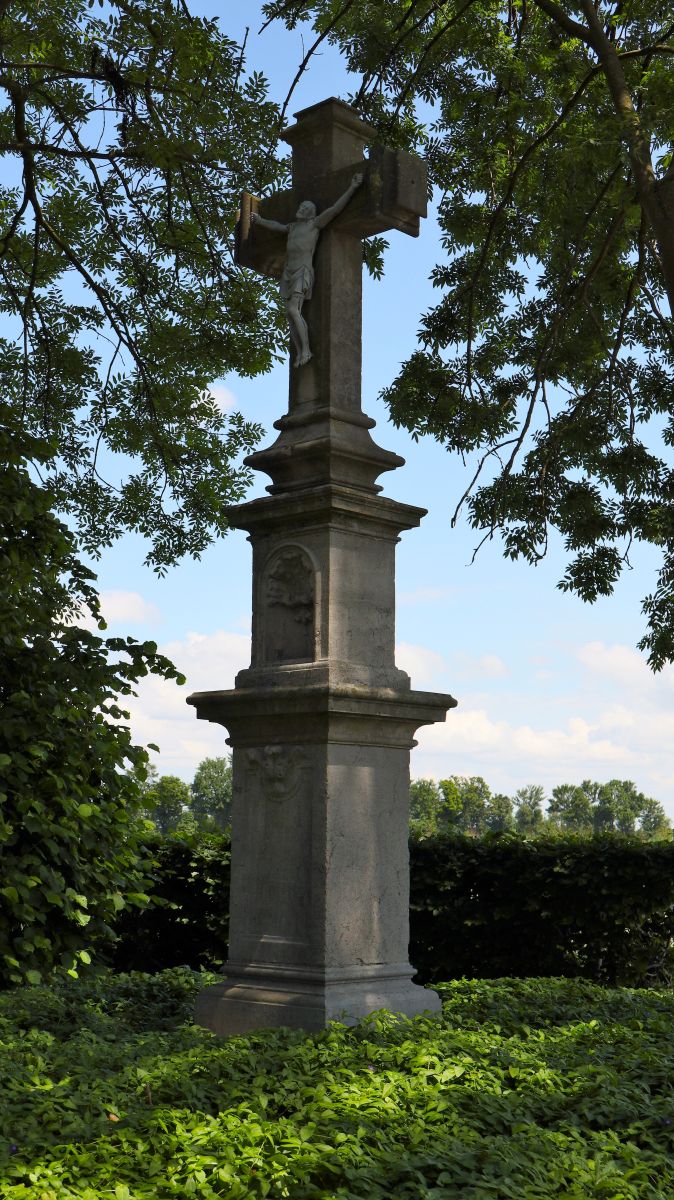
187,921
599,908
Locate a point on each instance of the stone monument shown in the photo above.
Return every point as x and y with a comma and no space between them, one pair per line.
321,724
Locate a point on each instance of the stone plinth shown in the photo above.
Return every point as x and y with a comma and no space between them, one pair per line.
319,903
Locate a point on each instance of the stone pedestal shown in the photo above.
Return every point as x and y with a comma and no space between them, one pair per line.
322,722
320,881
321,727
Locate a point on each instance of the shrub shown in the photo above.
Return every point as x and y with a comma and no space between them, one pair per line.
600,907
68,801
187,921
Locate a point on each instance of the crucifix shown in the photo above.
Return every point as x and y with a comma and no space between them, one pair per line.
328,142
321,724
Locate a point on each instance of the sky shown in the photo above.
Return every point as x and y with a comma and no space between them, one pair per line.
549,690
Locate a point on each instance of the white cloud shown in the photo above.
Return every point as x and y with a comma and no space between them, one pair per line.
421,664
584,728
223,397
625,666
128,608
508,755
605,716
160,713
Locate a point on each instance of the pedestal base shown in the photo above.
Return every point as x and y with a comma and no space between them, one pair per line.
252,998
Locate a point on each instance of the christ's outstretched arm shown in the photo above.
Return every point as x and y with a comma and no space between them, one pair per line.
256,219
328,213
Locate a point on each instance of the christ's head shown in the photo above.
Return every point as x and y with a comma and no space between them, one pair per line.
306,211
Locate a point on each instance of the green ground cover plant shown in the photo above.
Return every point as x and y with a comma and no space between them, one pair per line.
526,1089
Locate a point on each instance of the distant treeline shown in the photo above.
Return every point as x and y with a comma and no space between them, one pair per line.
467,805
460,804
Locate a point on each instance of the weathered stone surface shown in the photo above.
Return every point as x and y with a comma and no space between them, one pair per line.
348,541
320,878
322,722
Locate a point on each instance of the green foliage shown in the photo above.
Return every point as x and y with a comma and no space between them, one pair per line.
549,356
522,1090
68,808
619,806
127,133
466,805
529,800
425,804
165,802
187,921
571,808
211,794
599,907
460,804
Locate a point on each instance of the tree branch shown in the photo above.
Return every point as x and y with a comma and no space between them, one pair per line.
303,65
526,155
428,48
658,204
574,28
383,66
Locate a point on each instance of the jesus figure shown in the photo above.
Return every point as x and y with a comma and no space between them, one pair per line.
297,280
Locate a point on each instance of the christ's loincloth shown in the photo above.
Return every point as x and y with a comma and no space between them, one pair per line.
297,283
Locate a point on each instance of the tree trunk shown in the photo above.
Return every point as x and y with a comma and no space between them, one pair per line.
660,213
655,195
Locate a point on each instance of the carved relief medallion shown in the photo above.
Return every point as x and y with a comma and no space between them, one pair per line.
288,601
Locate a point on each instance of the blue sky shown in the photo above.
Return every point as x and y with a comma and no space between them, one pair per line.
550,690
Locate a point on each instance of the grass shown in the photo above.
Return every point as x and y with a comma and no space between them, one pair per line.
522,1090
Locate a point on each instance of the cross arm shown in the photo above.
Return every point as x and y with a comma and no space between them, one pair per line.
393,196
261,242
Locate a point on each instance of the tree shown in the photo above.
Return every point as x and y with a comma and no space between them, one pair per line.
619,807
550,147
127,135
69,773
459,804
211,793
466,805
466,801
426,808
529,802
571,808
500,814
653,821
166,801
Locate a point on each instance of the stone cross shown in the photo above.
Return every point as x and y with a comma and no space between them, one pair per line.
328,142
321,724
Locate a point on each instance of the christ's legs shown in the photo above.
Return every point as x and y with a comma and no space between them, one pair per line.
298,329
